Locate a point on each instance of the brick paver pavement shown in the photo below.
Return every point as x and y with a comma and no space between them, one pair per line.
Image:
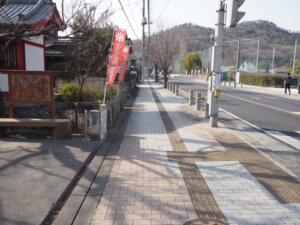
144,187
147,187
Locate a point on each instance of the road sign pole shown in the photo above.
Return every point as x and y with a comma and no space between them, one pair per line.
216,65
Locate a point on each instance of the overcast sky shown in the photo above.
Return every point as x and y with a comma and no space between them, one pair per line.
284,13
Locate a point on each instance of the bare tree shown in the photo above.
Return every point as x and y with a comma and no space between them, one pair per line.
163,46
91,41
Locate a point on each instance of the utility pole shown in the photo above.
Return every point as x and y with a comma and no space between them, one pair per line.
295,52
144,22
148,41
214,90
149,21
234,16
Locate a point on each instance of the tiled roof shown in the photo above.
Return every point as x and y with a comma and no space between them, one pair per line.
32,11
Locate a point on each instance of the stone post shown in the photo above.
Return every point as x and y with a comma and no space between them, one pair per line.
206,108
198,101
94,124
191,93
103,121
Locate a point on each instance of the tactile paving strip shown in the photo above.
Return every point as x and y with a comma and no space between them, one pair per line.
202,198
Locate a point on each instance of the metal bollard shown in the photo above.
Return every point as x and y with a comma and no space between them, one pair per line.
177,90
198,101
191,94
170,86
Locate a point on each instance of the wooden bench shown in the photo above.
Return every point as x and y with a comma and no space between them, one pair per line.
61,128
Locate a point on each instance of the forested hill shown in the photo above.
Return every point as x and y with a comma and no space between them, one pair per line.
272,38
198,37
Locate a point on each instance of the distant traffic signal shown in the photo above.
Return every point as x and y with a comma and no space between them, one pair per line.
233,15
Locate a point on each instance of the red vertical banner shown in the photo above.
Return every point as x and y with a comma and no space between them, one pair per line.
124,62
116,55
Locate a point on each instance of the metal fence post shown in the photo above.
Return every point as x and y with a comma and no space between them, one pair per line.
177,90
198,101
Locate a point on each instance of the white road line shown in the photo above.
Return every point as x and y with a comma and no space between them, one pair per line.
276,134
297,113
285,138
270,97
254,97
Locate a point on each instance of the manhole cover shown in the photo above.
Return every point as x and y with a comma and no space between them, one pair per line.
205,222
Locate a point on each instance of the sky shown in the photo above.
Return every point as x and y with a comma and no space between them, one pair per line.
284,13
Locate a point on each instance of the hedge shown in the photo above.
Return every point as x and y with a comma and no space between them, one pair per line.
266,80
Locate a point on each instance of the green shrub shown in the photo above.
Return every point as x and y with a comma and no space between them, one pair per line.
111,91
231,75
93,94
69,92
265,80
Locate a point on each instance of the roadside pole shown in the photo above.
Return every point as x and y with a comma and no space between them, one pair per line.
144,22
214,90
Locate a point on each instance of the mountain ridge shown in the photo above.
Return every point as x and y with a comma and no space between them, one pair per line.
271,36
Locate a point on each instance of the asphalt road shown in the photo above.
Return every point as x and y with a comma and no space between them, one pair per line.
262,110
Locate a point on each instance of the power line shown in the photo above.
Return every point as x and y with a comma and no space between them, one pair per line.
133,9
128,19
166,5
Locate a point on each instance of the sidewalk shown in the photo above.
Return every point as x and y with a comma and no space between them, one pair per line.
172,168
263,90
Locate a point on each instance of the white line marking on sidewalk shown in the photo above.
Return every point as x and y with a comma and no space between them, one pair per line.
282,137
261,152
254,97
242,199
285,138
297,113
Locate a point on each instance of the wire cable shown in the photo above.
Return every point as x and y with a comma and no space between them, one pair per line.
133,9
166,5
128,19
